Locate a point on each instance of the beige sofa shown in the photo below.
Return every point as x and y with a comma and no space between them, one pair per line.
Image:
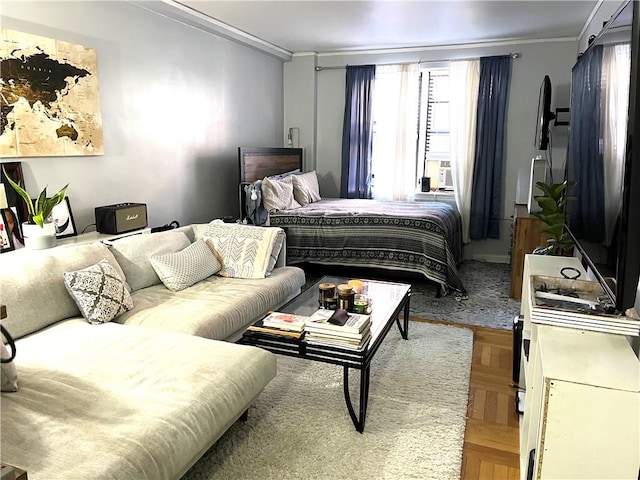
143,396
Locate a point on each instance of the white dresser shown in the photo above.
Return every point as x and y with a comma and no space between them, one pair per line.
582,407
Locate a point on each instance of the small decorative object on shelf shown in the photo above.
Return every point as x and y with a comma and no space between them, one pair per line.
39,231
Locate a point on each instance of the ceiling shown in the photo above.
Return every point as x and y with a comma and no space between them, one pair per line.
338,26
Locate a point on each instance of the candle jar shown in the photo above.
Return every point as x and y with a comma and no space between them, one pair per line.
360,304
345,297
326,295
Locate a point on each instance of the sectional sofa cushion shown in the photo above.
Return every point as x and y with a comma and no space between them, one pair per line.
217,307
184,268
113,402
8,373
32,284
99,292
246,251
133,252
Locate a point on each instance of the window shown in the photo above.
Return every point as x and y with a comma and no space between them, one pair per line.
411,130
434,158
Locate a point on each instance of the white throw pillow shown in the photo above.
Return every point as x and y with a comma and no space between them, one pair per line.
8,371
133,252
278,194
305,188
182,269
245,250
99,292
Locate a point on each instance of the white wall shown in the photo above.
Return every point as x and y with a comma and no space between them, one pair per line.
300,82
538,59
176,104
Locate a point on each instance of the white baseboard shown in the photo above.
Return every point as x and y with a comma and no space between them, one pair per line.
491,258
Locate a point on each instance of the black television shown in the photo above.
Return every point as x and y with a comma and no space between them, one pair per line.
603,216
545,115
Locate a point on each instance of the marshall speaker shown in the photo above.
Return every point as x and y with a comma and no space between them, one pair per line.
121,218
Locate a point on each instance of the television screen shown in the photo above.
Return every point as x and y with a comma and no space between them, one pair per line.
545,115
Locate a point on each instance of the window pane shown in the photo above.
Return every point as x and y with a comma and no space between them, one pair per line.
440,88
439,117
438,142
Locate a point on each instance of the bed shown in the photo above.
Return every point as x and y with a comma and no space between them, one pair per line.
418,237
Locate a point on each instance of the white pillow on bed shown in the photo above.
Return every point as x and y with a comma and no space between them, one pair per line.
278,194
305,188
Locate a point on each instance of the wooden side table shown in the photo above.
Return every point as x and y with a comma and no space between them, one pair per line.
527,235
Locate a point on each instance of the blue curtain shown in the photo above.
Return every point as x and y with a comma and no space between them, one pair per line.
357,133
486,197
585,164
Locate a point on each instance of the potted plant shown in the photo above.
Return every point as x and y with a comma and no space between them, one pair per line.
553,205
39,231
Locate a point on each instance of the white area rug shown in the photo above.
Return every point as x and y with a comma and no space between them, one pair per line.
299,428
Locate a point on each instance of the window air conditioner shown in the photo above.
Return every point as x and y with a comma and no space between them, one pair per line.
445,179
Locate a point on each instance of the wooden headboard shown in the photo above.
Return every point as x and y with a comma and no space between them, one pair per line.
259,162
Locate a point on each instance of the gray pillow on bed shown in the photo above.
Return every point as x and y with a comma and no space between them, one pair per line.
305,188
278,194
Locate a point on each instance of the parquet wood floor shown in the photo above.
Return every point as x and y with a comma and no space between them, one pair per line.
491,445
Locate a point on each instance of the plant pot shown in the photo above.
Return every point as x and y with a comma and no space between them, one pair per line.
38,238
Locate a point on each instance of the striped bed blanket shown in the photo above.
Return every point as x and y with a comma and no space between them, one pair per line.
425,238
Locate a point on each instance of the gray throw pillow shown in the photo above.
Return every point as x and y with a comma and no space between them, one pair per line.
99,292
278,194
182,269
305,188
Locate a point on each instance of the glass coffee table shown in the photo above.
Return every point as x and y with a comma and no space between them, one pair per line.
387,299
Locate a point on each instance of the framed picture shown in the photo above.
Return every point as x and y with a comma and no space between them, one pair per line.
63,219
6,242
14,171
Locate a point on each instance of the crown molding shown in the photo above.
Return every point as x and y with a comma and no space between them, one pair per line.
192,18
458,46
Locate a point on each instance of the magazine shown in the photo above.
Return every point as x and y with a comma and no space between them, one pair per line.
286,321
339,320
328,340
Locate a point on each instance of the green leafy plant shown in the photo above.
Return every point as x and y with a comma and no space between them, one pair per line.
41,210
553,205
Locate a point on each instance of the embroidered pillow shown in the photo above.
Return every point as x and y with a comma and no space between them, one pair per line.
245,250
305,188
182,269
278,194
8,371
99,292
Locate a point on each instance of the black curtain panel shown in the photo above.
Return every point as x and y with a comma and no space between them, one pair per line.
585,163
495,73
357,132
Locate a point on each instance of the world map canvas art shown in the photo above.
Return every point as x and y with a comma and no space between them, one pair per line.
49,97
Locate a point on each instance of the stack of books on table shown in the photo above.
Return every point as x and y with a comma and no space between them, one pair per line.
338,328
279,323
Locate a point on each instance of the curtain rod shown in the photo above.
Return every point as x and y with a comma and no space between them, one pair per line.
512,55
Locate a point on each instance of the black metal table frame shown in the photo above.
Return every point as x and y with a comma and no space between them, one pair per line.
347,358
